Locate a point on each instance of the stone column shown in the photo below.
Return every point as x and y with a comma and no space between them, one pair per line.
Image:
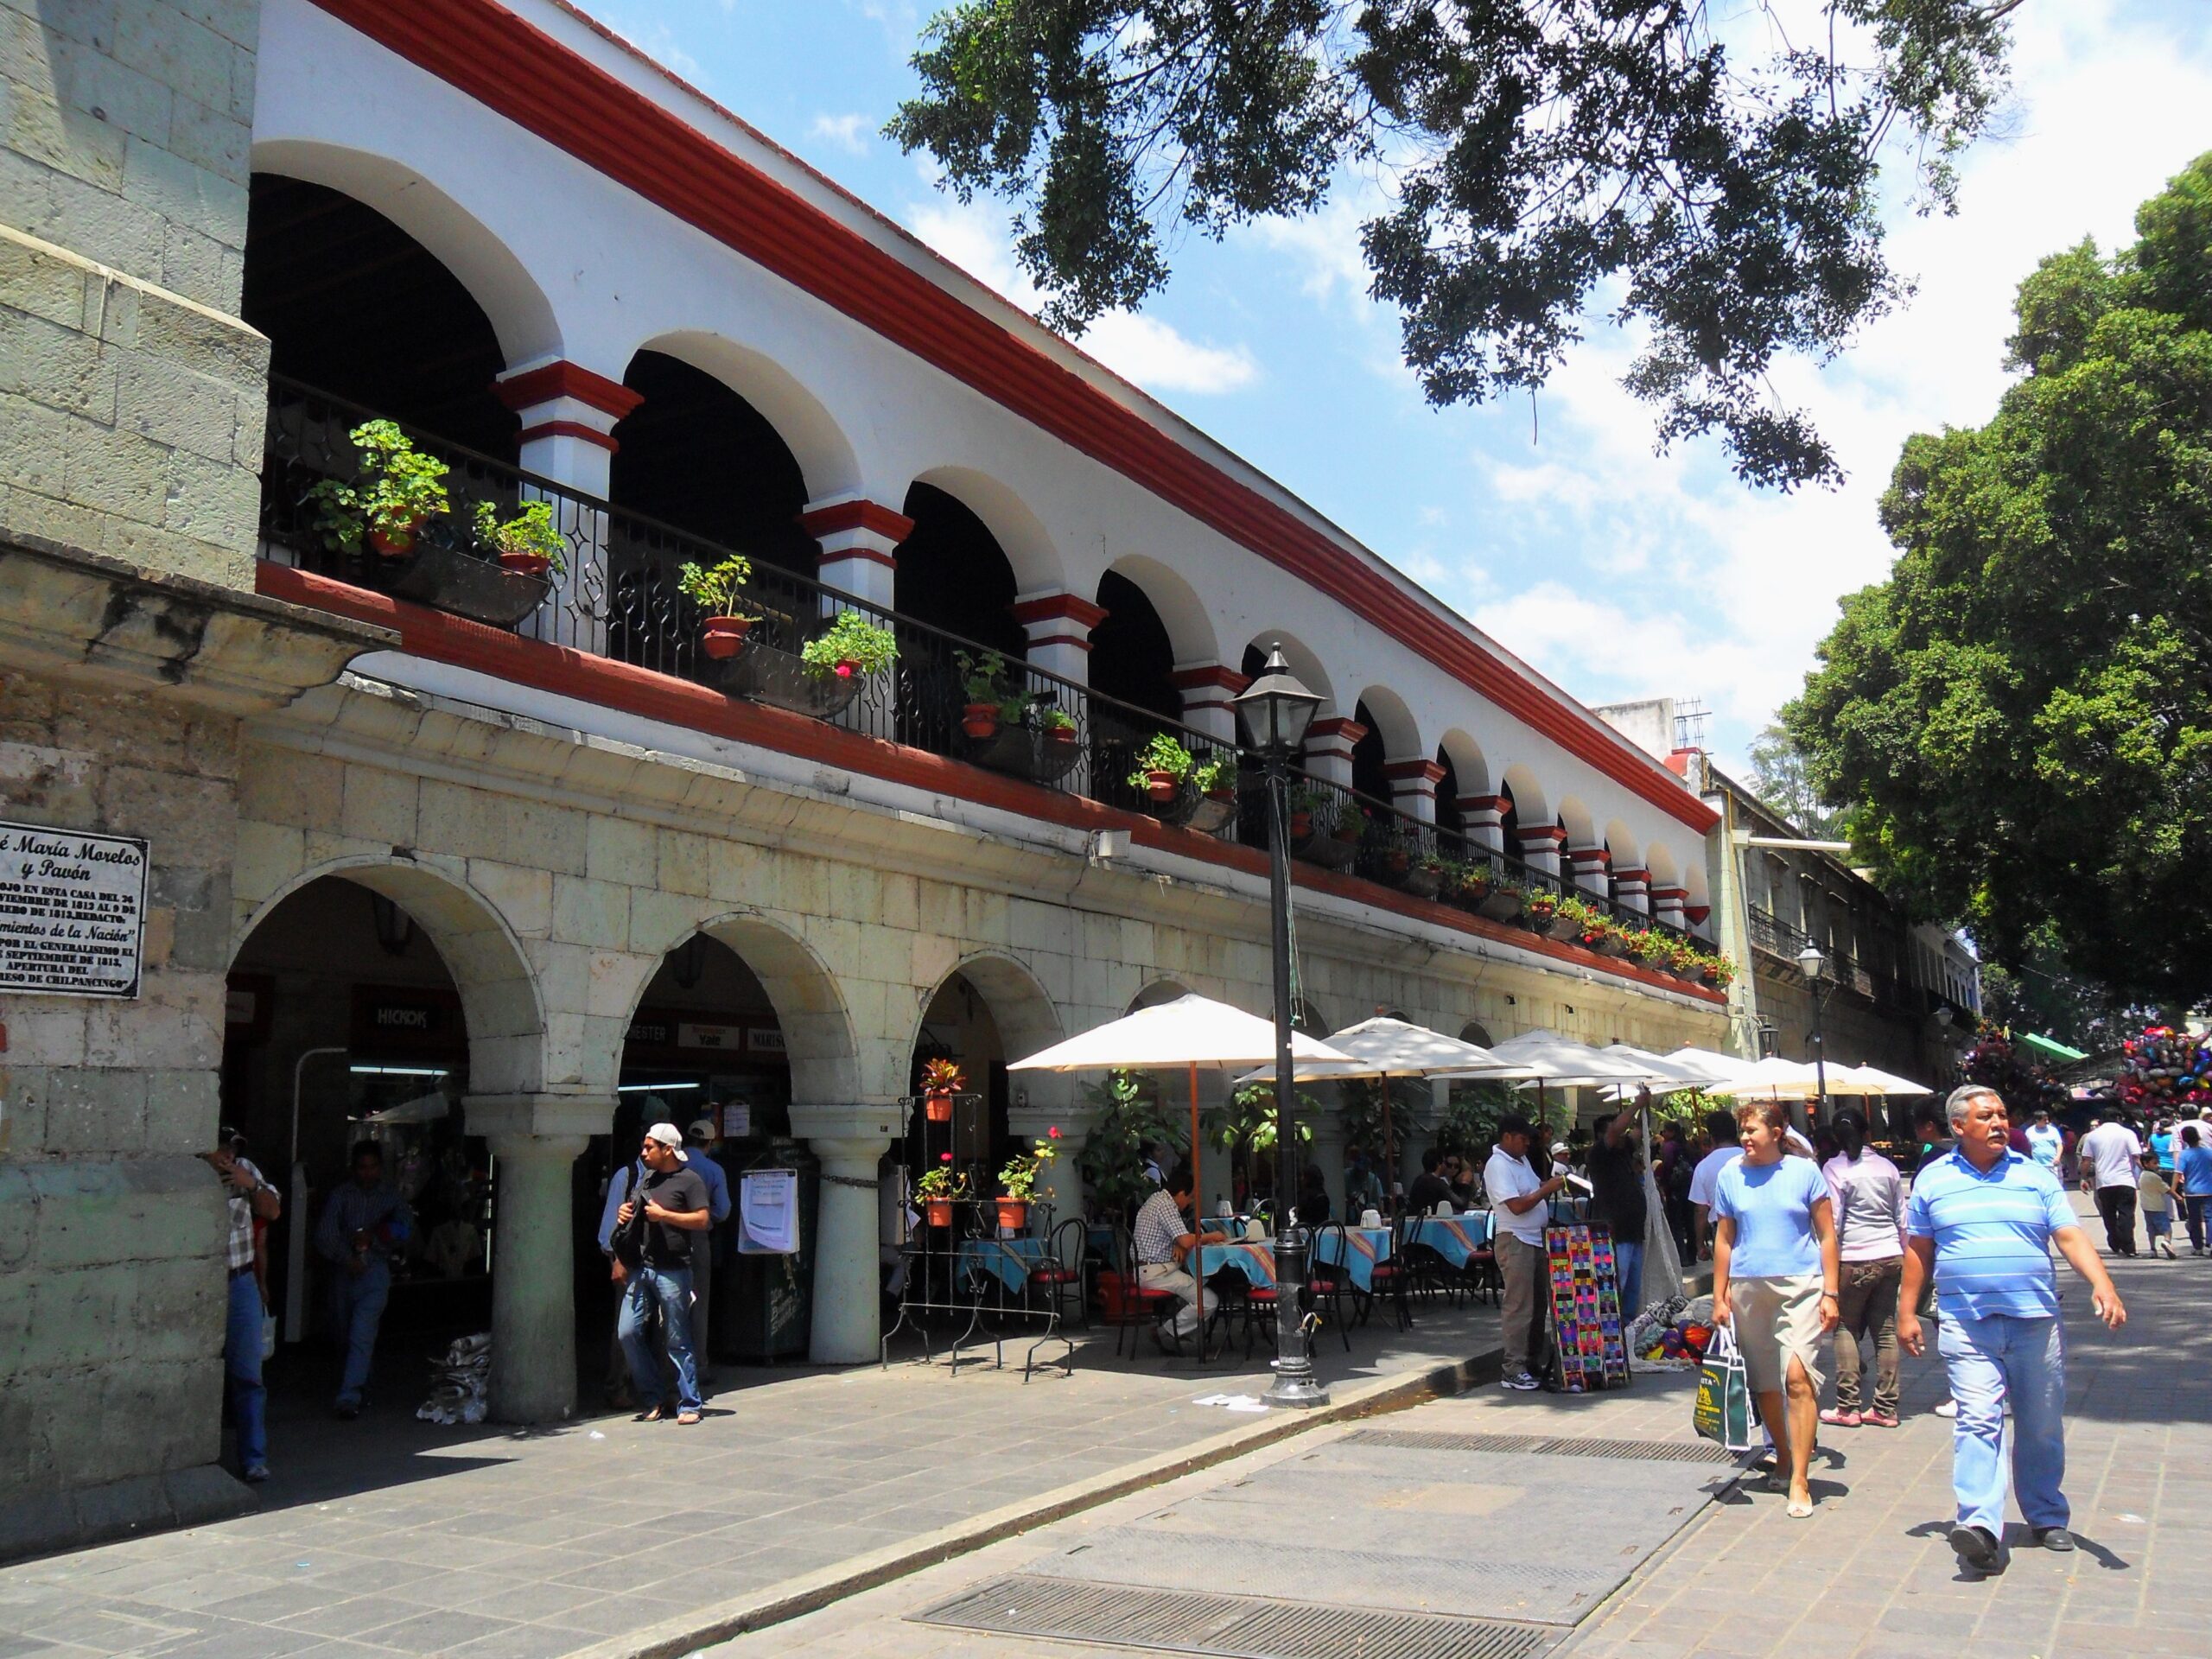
1328,1148
535,1140
569,414
1668,904
860,544
1412,786
1484,818
1329,744
1207,689
850,1141
1589,866
1059,627
1632,889
1540,848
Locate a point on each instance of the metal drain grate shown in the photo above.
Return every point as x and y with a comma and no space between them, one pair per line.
1236,1627
1420,1440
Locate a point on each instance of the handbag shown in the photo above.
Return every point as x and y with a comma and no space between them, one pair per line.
1723,1411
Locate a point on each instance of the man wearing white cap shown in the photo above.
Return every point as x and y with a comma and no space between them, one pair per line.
652,1262
701,1136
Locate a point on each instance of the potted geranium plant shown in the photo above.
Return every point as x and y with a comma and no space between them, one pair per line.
850,647
395,490
1715,970
1214,778
941,1081
940,1187
714,590
1162,764
526,544
983,680
1057,725
1018,1182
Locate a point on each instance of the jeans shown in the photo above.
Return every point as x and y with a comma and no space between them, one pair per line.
1991,1361
666,1291
2117,1205
242,1390
2197,1203
1869,1303
1628,1266
359,1298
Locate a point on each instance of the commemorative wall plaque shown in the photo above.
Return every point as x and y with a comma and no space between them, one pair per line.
72,912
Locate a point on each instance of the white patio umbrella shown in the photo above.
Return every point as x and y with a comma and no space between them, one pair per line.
1871,1080
1547,1058
1710,1067
1772,1079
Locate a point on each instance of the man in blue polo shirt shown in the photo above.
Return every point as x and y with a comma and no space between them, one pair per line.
1982,1219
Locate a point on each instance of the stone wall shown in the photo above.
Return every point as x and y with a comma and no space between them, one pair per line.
132,396
111,1229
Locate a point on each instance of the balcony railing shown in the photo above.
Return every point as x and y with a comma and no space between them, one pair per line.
619,599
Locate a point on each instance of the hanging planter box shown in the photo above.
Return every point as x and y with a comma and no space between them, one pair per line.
1611,945
1501,905
1563,929
772,675
1212,814
1423,882
1324,849
460,584
1040,757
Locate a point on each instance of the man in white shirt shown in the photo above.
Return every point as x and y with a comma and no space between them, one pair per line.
2111,1157
2045,1141
1164,1244
1705,1179
1521,1204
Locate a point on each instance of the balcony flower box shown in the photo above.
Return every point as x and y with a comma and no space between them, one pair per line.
1503,904
1042,757
1213,812
769,674
452,579
1321,844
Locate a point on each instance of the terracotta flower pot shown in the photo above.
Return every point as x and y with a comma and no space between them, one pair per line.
980,719
395,542
1059,734
937,1212
1302,825
725,636
936,1105
1013,1213
1161,785
847,668
525,564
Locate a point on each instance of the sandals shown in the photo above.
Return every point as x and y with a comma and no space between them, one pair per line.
1835,1418
1801,1509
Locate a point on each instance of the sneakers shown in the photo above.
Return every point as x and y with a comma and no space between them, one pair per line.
1880,1420
1975,1546
1836,1418
1520,1380
1948,1409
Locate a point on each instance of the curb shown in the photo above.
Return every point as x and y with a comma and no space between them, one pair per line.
811,1592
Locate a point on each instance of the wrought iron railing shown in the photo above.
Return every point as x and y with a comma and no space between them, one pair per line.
617,598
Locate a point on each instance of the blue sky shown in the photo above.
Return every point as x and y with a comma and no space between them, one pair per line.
1618,573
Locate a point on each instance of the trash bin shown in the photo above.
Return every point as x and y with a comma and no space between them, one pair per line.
764,1305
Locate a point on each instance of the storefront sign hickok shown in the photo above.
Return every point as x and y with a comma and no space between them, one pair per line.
73,910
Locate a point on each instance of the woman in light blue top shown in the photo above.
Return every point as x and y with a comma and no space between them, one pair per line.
1775,1283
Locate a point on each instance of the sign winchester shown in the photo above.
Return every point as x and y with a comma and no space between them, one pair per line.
72,912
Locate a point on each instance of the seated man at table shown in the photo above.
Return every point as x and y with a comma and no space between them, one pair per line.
1430,1189
1164,1245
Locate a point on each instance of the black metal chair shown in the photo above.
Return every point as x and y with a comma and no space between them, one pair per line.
1326,1285
1062,1277
1133,1307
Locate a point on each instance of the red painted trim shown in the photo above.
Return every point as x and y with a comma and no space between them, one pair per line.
1590,858
520,72
1697,912
569,430
1337,728
1483,803
566,380
1059,608
857,515
1660,895
1631,875
1552,833
558,668
865,555
1079,641
1428,771
1219,675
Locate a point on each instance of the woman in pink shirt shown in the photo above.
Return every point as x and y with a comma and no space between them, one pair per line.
1869,1196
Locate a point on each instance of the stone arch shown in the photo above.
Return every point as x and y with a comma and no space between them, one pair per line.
1189,624
816,439
1628,852
1531,805
1306,1015
1470,767
1156,992
818,1037
1021,535
1020,1006
1392,722
499,995
1476,1033
1666,870
1575,819
520,314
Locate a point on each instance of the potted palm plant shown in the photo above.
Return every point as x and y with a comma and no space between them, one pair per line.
851,647
941,1081
940,1187
395,491
714,590
1018,1182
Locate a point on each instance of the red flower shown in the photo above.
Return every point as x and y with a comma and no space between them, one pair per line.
1053,1133
945,1157
844,670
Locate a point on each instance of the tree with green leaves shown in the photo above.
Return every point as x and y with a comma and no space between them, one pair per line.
2022,714
1779,777
1711,174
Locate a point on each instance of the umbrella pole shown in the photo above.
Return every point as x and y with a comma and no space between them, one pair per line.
1389,1151
1198,1217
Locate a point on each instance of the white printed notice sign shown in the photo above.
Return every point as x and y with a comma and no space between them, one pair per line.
72,911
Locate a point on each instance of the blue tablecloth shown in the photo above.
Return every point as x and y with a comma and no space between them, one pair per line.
1007,1259
1256,1262
1356,1250
1456,1238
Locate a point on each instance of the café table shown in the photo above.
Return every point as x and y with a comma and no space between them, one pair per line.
1356,1250
1456,1238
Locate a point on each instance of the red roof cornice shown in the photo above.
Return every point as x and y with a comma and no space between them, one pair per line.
519,72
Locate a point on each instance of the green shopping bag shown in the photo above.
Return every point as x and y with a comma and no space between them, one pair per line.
1722,1412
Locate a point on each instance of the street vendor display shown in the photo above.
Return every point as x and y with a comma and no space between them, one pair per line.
2164,1068
1587,1307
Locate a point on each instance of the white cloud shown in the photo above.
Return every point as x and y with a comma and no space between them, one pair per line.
850,133
1141,348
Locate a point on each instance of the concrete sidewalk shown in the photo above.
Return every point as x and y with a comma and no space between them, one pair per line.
609,1536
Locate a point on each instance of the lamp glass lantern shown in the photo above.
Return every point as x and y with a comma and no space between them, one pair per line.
1275,711
1810,962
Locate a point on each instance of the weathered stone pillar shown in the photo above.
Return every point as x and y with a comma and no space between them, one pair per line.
1589,866
569,414
535,1139
1329,744
1540,848
860,544
848,1326
1631,889
1059,626
1412,786
1207,690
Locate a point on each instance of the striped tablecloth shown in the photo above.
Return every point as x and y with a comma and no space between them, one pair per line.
1009,1260
1256,1262
1356,1250
1456,1238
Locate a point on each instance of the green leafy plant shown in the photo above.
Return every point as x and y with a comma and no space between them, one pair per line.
714,589
1128,1116
396,489
942,1180
850,645
984,678
1055,720
1217,771
530,531
1364,1116
1161,754
944,1076
1019,1178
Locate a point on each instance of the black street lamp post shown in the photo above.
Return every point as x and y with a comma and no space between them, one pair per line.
1273,712
1811,964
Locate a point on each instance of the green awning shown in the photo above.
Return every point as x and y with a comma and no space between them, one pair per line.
2044,1048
